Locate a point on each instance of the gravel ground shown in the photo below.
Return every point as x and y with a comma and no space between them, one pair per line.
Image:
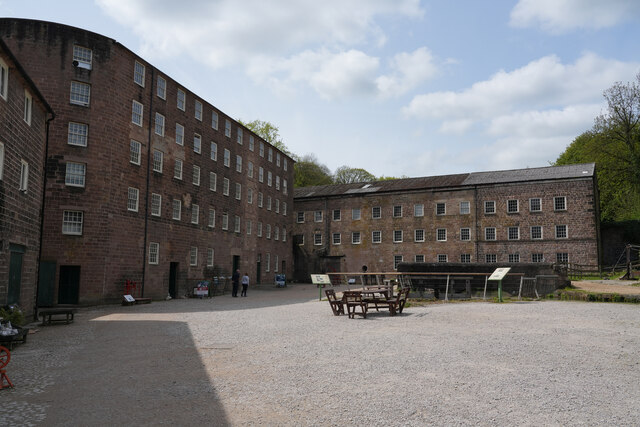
280,357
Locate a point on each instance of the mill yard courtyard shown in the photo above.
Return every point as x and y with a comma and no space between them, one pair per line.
280,357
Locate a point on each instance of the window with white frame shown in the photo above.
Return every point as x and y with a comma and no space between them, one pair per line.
77,134
250,169
197,143
250,196
1,160
465,234
156,204
268,262
213,181
239,135
356,214
83,56
269,178
138,73
514,257
28,106
176,209
284,187
209,257
376,212
238,191
259,230
268,203
397,236
284,208
154,252
249,226
512,206
513,233
214,120
261,151
317,216
317,238
418,210
268,231
225,186
177,169
75,174
214,151
443,258
397,211
227,128
137,110
275,263
489,207
236,224
561,232
419,258
238,163
72,222
179,134
536,232
284,165
376,236
336,214
441,234
490,258
284,234
277,205
260,174
465,258
4,80
24,176
181,100
251,143
418,235
562,257
560,203
465,208
537,257
80,94
161,89
225,221
336,238
441,208
132,199
193,255
535,204
397,259
212,218
260,198
227,158
490,233
198,110
278,182
270,157
157,160
196,175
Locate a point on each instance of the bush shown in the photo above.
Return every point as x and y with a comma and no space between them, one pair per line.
13,314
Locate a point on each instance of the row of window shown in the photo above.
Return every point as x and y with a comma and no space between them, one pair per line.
513,206
4,92
561,258
23,184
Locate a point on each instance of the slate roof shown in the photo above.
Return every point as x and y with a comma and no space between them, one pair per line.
585,170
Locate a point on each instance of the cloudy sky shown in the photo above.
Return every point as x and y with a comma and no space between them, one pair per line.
398,87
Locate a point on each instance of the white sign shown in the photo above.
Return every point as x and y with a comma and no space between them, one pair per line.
499,273
129,298
320,279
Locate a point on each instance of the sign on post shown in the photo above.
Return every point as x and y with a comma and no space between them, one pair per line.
497,275
320,280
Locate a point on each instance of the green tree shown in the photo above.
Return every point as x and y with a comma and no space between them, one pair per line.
309,171
347,175
269,132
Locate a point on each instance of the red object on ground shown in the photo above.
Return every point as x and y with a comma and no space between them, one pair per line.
5,357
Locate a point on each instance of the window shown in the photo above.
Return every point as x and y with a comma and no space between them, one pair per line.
261,149
560,203
300,217
1,160
441,234
250,169
260,174
225,186
154,250
225,221
514,257
260,197
355,214
82,56
465,234
535,205
443,258
397,236
138,73
561,232
441,208
250,196
161,89
465,208
132,199
336,214
28,105
355,238
179,134
236,224
227,128
259,232
238,191
268,262
75,173
537,258
238,164
536,232
376,212
239,136
277,182
80,94
137,110
177,169
4,80
214,151
197,143
209,257
268,203
212,218
317,239
177,209
490,258
418,236
284,208
157,161
285,164
270,157
489,207
465,257
513,233
284,187
418,210
196,175
24,176
156,204
490,233
251,143
562,258
248,227
397,259
213,181
72,222
269,178
276,233
214,120
397,211
227,158
198,110
284,234
77,134
376,236
268,231
317,216
193,256
181,99
512,206
336,238
419,258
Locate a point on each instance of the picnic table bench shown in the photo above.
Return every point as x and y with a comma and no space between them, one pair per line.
50,315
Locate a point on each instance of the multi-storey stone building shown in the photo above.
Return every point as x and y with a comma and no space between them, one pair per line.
145,180
24,118
528,215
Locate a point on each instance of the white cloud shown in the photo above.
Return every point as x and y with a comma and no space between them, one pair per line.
559,16
408,71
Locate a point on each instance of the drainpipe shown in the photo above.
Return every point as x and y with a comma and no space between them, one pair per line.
146,193
475,196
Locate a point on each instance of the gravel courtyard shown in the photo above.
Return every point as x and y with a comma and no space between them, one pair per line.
280,357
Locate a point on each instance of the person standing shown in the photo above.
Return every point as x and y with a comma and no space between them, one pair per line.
245,285
235,279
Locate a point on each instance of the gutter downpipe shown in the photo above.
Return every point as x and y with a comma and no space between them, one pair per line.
146,193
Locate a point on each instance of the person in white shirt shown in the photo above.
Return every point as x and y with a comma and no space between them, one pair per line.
245,285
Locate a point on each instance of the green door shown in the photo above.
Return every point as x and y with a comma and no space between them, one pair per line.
46,283
15,277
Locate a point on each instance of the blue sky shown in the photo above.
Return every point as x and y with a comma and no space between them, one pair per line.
398,87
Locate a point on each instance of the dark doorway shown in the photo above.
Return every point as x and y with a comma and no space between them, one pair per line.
46,283
69,286
258,262
15,273
236,263
173,278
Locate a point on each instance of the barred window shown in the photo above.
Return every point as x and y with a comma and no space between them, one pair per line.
443,258
336,214
397,211
441,208
512,206
561,232
376,236
465,257
317,237
537,258
376,212
419,258
489,207
514,257
536,232
513,233
355,238
441,234
535,205
490,233
560,203
490,258
562,257
336,238
465,234
397,236
419,235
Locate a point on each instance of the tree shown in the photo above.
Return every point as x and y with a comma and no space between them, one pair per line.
309,171
269,133
347,175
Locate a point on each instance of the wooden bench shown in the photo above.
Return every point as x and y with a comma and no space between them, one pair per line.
55,314
337,305
353,300
394,305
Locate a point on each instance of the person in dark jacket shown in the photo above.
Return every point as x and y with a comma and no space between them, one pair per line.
235,281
